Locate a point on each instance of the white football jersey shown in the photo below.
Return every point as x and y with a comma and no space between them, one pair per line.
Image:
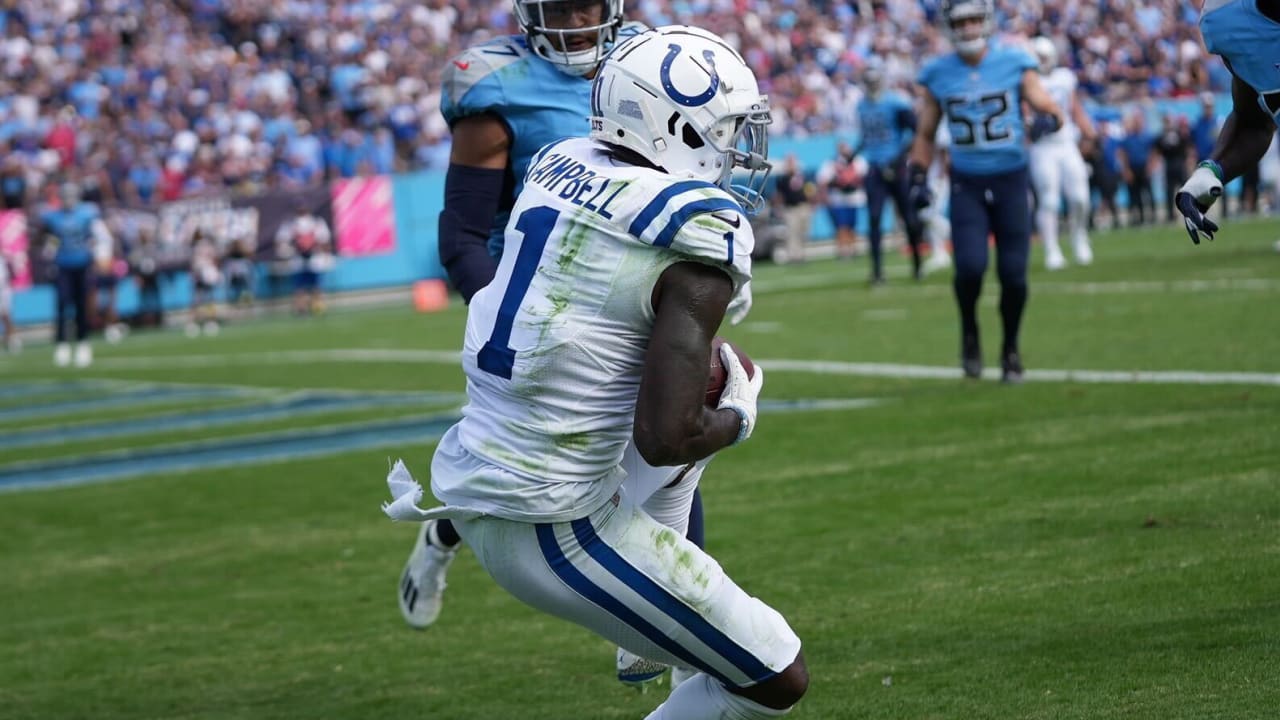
555,345
1061,85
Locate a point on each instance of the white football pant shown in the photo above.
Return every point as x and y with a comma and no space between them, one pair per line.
1058,171
640,584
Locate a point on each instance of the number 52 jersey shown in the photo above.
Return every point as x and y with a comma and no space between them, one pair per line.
982,105
555,345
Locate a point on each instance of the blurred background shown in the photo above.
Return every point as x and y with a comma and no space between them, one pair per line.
222,121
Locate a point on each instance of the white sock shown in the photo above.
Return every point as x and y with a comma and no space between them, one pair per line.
702,698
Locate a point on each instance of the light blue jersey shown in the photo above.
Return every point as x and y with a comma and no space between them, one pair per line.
74,230
1249,42
888,125
983,108
539,103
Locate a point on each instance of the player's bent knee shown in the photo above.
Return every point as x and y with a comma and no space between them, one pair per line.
781,691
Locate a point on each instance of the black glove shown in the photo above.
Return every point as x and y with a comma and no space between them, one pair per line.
918,192
1196,196
1043,124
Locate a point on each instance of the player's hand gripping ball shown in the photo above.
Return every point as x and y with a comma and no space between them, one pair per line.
717,375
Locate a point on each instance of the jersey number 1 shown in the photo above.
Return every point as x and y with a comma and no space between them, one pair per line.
497,357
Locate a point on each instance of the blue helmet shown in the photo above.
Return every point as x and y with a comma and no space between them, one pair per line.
970,42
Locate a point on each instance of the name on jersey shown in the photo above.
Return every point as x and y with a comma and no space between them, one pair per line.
572,181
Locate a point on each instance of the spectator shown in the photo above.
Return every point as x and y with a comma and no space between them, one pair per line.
1174,146
238,268
305,243
795,193
840,190
144,261
1102,156
15,192
205,278
8,340
1135,167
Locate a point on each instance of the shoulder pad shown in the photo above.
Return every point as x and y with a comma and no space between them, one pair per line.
630,29
470,86
699,220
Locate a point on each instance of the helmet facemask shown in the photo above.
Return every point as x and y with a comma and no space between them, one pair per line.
574,50
747,170
971,39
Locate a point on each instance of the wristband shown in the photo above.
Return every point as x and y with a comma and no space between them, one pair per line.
1212,166
744,424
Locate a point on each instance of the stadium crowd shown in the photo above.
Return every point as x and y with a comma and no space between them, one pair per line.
143,102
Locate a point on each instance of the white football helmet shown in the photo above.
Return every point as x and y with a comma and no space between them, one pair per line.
685,101
1046,52
970,42
547,25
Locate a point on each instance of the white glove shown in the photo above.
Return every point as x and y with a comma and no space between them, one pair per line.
1196,196
740,305
740,392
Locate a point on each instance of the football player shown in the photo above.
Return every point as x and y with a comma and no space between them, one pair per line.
1246,33
623,252
504,100
72,229
934,217
887,122
979,88
1057,167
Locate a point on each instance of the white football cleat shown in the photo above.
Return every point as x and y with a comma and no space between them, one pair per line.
422,583
62,354
1084,253
937,261
1054,261
84,355
636,671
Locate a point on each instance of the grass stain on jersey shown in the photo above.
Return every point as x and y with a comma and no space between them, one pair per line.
572,441
572,244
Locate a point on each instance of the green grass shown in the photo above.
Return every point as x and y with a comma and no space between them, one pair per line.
957,551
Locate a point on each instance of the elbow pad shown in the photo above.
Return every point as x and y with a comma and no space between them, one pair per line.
471,200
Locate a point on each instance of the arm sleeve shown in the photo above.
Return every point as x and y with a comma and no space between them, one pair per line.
471,200
907,118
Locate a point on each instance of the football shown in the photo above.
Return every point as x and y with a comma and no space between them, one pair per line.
717,375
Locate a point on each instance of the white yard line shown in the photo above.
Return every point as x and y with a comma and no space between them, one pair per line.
815,367
1056,287
1145,377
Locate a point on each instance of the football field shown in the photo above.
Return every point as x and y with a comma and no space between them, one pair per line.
191,527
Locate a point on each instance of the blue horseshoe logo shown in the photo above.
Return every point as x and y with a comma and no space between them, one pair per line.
701,98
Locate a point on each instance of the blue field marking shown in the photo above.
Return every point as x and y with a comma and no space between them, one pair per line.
40,387
134,396
305,403
271,447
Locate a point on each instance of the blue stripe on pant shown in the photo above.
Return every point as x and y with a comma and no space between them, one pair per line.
657,596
